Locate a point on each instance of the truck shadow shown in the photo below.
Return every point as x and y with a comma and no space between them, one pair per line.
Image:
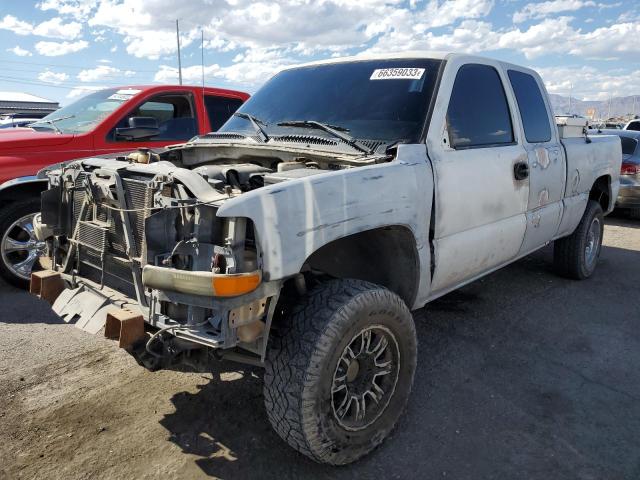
19,306
620,218
510,379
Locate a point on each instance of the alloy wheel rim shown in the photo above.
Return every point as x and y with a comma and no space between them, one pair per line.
593,243
365,378
20,248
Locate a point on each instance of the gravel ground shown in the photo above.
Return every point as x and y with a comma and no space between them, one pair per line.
520,375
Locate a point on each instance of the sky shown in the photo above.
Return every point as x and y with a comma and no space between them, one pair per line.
62,49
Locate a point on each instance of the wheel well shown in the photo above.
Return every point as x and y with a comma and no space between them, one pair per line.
21,192
601,192
386,256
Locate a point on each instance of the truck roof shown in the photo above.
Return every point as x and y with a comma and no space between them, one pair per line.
427,54
177,88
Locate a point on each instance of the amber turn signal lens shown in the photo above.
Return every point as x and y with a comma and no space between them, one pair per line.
235,284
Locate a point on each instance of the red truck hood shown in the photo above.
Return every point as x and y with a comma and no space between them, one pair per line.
21,138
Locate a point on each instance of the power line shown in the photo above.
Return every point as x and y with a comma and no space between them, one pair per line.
104,75
77,67
52,85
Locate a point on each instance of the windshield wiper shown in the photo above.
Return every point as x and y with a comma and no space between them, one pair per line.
53,121
334,130
255,122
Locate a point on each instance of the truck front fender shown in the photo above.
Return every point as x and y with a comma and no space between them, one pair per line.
292,220
21,188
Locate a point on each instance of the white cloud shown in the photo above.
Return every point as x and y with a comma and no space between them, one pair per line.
447,12
78,9
84,90
21,52
11,23
556,35
52,28
55,49
261,36
590,83
55,28
544,9
251,68
52,77
148,28
155,43
102,71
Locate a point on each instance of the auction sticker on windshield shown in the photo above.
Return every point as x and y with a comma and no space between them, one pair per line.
397,74
124,94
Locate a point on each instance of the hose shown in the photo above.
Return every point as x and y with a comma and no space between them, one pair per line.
147,346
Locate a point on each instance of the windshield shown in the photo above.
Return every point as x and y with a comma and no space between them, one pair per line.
83,115
374,99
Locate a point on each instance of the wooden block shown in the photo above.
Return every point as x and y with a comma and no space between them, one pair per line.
125,326
46,284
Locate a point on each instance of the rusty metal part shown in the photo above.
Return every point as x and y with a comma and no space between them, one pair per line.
250,332
249,313
47,285
125,326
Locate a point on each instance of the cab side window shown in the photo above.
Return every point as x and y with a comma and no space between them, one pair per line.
634,126
478,113
174,113
219,109
533,112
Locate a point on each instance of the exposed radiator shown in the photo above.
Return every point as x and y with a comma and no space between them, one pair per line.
101,237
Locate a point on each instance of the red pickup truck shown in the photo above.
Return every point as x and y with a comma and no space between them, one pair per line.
107,121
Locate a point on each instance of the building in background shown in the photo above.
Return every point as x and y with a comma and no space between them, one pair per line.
18,104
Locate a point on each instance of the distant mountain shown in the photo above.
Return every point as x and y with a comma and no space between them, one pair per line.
620,106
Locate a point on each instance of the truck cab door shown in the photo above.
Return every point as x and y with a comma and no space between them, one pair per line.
481,193
545,155
175,114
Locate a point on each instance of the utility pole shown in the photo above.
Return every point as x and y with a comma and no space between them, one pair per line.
204,109
609,110
570,94
179,60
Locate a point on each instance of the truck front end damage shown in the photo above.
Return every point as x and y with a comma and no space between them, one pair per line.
146,238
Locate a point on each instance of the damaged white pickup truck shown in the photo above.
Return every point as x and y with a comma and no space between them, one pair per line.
341,196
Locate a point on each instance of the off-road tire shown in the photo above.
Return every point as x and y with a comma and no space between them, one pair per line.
634,213
301,362
8,215
569,257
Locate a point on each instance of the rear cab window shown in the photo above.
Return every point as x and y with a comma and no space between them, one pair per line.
533,112
478,114
629,145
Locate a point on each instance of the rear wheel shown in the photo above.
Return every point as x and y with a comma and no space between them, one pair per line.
339,370
19,249
576,256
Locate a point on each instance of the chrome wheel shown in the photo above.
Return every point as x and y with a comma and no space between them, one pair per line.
19,247
592,246
365,378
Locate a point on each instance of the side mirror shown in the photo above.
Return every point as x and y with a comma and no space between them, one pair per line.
139,128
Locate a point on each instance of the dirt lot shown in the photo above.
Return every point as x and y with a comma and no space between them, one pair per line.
521,375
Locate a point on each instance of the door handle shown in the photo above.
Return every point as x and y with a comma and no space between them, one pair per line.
521,171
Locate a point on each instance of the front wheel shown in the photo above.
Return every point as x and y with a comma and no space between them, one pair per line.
19,249
576,256
339,370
